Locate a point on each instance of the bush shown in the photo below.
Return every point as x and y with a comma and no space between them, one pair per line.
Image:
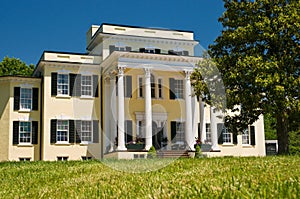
152,152
198,152
294,137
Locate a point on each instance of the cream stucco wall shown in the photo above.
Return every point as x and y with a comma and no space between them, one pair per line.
70,108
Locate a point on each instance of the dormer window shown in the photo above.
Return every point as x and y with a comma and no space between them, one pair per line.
113,48
178,52
150,50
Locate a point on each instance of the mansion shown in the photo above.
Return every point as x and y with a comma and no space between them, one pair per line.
131,88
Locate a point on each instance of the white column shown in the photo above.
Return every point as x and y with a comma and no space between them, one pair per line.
107,133
121,114
189,137
113,112
148,109
213,128
202,121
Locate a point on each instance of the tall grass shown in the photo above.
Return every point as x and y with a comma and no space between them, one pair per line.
268,177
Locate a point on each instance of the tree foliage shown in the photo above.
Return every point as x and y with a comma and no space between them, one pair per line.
258,55
14,66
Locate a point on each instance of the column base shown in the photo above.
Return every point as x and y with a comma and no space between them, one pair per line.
147,147
121,148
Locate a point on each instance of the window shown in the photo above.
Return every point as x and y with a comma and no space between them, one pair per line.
140,129
62,131
62,158
25,132
86,85
226,136
86,131
208,132
86,157
24,159
245,137
178,89
63,84
141,90
26,98
160,95
179,132
152,80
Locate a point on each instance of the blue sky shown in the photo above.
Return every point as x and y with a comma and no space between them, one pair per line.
30,27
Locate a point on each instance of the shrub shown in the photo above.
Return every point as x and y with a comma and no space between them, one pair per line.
198,152
152,152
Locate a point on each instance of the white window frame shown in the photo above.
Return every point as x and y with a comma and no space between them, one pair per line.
90,131
208,132
140,86
62,130
180,133
27,105
140,129
85,87
246,137
25,132
60,90
177,89
160,84
226,135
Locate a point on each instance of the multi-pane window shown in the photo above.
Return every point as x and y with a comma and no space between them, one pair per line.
179,132
178,89
140,93
86,131
62,158
62,131
152,79
86,85
226,136
25,132
245,137
160,95
120,48
208,132
63,84
25,98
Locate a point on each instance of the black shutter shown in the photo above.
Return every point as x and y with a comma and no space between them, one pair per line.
78,131
117,85
157,51
53,131
128,124
172,88
252,135
111,49
128,86
72,84
35,99
220,130
35,130
142,50
78,86
185,53
71,131
173,130
95,86
95,131
15,132
17,98
53,84
199,132
128,48
234,135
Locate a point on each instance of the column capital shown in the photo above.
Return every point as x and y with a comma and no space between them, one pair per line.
147,72
188,73
121,70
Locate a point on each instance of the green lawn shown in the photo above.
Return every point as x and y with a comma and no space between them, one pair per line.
269,177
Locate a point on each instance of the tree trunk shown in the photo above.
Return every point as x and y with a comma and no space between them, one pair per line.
282,133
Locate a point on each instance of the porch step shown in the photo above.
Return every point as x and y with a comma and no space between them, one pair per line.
173,154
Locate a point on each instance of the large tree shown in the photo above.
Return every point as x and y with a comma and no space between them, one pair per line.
14,66
258,55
